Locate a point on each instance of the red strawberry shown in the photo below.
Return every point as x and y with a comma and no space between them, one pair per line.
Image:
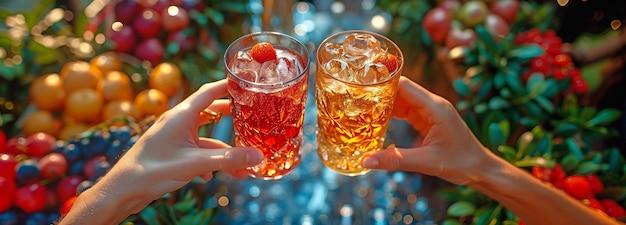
263,52
389,60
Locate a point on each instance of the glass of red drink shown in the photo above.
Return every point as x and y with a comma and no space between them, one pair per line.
267,85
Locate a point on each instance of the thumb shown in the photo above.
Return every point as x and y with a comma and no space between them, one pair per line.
228,158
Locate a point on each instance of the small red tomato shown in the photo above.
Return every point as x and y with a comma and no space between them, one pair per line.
7,193
263,52
67,205
31,198
577,186
390,61
613,209
596,184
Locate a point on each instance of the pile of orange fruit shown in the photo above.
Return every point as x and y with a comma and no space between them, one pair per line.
85,93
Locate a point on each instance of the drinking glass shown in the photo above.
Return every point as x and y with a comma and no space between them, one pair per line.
268,99
355,87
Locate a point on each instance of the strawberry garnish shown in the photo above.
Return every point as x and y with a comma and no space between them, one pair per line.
263,52
389,60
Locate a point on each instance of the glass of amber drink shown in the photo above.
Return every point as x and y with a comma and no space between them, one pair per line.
267,85
355,86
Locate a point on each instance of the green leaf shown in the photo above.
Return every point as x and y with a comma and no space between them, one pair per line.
569,162
462,105
499,79
535,161
604,117
522,144
524,53
615,160
529,122
149,215
508,152
461,208
185,206
480,108
545,103
496,135
485,89
587,167
515,84
536,84
566,129
216,16
574,148
498,103
532,109
491,215
451,222
461,88
485,37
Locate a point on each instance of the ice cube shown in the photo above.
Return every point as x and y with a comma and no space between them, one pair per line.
267,73
372,73
245,67
287,69
331,51
339,69
360,45
356,61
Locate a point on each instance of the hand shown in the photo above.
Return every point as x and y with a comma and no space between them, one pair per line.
166,157
448,149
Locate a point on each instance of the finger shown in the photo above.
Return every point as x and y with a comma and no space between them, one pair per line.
417,96
207,176
420,159
239,174
209,143
221,106
202,98
226,158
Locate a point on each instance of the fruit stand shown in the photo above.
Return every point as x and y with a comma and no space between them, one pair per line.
80,81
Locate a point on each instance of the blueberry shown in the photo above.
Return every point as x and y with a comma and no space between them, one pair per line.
53,218
122,133
114,151
27,171
101,169
37,218
76,168
99,141
88,151
83,186
9,218
59,145
72,153
131,142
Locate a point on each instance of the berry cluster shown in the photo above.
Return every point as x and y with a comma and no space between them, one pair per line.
41,176
582,187
146,28
554,63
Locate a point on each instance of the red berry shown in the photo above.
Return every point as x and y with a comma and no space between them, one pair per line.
558,73
521,223
31,198
67,205
16,146
613,209
3,141
554,175
437,23
7,193
389,60
596,183
562,60
40,144
7,166
53,165
148,23
594,204
577,186
540,64
579,85
263,52
66,188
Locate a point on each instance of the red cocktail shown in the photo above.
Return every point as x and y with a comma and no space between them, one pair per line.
267,85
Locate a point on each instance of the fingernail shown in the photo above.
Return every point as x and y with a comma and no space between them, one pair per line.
253,157
370,162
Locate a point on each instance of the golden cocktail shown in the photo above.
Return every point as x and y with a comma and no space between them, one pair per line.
356,83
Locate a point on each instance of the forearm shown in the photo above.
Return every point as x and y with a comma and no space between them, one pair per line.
531,199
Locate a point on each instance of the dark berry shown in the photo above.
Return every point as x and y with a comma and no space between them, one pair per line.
9,218
72,153
27,171
37,218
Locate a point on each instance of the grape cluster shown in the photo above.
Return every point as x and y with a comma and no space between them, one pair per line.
41,176
554,63
586,188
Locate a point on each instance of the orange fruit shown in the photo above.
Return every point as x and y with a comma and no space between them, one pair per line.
70,130
79,74
167,78
41,121
47,92
120,109
116,86
106,62
84,105
151,102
